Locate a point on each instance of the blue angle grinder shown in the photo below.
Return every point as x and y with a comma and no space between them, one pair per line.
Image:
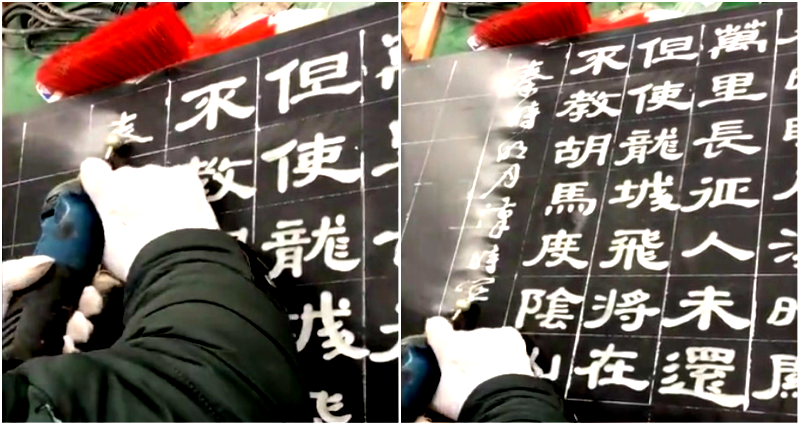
72,234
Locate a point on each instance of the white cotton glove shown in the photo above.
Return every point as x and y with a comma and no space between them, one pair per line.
469,358
137,205
22,273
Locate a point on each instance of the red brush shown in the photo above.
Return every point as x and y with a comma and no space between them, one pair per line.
607,25
209,44
133,45
534,22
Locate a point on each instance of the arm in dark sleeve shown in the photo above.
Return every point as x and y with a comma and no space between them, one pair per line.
513,398
202,342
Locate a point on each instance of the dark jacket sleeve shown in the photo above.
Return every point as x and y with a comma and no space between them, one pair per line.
202,342
513,398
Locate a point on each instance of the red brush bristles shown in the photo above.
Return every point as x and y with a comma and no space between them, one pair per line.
534,22
205,45
133,45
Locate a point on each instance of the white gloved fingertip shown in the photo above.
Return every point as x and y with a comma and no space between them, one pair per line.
69,346
79,328
94,173
104,282
437,329
91,302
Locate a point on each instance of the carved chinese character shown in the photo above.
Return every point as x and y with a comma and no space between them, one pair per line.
222,172
557,307
508,180
475,290
617,369
641,144
555,366
524,116
338,338
385,237
708,366
311,158
714,240
485,258
784,378
392,353
783,312
576,152
723,192
660,96
526,83
632,310
639,245
711,303
313,75
578,104
734,38
288,242
791,130
511,149
124,129
389,72
382,169
558,248
599,57
212,101
724,135
781,246
791,83
667,49
657,189
569,197
503,213
240,235
326,405
730,87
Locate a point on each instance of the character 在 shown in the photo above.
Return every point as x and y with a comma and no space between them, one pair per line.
338,339
212,101
613,361
317,76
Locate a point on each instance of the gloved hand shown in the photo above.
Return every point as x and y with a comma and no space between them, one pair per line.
469,358
24,272
137,205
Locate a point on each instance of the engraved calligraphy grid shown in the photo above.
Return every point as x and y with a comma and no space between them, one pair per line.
370,288
414,142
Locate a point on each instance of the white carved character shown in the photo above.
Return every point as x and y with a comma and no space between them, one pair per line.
340,340
657,189
124,129
632,310
576,152
240,235
557,307
508,179
212,101
569,197
388,74
526,83
791,83
385,237
578,104
599,57
667,50
660,95
791,130
503,213
780,246
392,353
327,405
708,366
640,144
724,135
730,87
222,172
783,312
476,290
784,378
723,192
555,366
714,240
617,369
487,259
311,160
558,248
734,38
511,149
524,116
382,169
639,245
710,303
313,74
